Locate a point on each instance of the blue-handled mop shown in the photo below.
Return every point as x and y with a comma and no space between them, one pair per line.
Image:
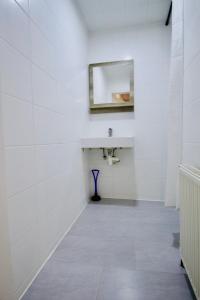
95,174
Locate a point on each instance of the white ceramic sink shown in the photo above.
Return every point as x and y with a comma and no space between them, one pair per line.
107,142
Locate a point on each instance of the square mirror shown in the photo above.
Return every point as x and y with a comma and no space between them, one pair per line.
111,86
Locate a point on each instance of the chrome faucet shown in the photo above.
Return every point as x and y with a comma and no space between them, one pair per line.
110,132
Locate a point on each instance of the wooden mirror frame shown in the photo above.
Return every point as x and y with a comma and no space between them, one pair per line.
111,107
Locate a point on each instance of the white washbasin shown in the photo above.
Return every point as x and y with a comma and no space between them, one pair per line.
107,142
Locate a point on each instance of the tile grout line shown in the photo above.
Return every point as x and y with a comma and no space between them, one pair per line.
52,252
99,283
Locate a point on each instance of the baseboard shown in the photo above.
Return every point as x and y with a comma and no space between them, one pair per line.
149,200
52,252
137,199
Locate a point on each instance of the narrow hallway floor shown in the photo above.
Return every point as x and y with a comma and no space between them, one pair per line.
117,250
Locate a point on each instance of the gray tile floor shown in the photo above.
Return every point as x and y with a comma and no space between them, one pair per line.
117,250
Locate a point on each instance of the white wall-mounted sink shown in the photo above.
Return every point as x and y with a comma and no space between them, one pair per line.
107,142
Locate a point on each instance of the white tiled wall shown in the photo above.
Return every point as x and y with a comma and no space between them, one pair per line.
174,142
114,181
5,274
191,115
141,172
43,101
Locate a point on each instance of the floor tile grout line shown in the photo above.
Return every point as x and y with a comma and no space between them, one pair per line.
99,285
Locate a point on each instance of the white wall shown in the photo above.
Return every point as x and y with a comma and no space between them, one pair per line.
175,110
44,101
191,114
150,49
5,258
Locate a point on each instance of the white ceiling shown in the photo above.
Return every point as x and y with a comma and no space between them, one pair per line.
105,14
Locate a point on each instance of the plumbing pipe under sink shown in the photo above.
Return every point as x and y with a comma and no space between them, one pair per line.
113,160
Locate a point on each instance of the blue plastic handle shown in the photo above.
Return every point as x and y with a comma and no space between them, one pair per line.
95,174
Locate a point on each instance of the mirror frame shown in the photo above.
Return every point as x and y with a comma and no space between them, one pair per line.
111,107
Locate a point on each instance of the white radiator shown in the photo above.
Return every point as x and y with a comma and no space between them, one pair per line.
190,224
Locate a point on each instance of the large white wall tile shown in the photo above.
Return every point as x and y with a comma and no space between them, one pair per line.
43,52
42,162
20,168
149,189
191,154
51,160
15,26
20,214
15,73
191,132
45,89
147,169
25,260
4,11
49,126
17,121
105,188
191,81
123,188
148,147
42,16
191,41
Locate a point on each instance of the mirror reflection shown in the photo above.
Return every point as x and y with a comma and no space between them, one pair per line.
111,85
